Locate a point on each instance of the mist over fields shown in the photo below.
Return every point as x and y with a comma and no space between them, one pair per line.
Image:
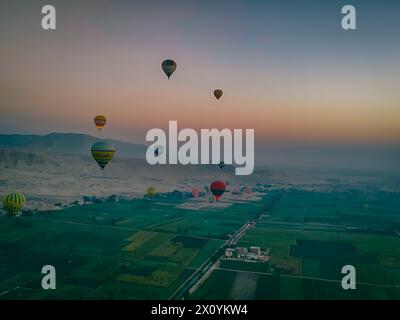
368,157
58,168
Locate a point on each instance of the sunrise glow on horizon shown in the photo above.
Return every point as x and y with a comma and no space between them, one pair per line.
304,83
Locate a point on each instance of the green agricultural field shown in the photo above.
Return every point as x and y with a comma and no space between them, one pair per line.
268,287
145,249
352,208
375,254
206,251
224,284
139,249
278,240
217,286
245,266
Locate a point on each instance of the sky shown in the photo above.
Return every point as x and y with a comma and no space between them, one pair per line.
287,69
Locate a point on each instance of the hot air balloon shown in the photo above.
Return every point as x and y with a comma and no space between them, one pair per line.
221,164
195,193
217,189
100,122
13,203
169,67
151,191
102,152
218,93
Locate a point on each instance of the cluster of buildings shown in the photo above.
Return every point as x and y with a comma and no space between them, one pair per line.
248,254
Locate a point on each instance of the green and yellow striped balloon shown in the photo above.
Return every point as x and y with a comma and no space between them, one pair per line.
13,203
151,191
102,152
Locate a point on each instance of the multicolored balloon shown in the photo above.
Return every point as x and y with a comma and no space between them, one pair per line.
169,67
218,93
217,189
102,152
13,203
100,122
151,191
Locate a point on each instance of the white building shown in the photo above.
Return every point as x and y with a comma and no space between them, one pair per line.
241,252
229,252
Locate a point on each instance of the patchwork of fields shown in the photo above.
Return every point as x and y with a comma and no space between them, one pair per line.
139,249
146,249
310,233
275,287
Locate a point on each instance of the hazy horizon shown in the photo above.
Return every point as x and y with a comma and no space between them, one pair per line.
301,155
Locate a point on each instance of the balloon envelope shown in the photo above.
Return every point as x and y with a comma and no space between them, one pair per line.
169,67
217,189
102,152
151,191
13,203
218,93
100,122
